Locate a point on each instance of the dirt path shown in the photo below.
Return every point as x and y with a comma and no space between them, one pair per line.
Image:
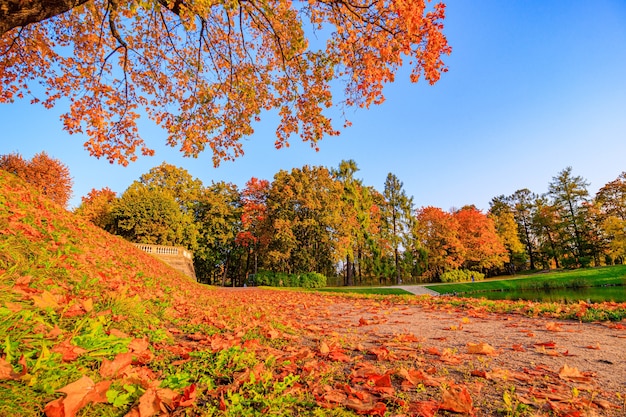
541,360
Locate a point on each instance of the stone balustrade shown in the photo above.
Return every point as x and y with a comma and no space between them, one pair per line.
177,257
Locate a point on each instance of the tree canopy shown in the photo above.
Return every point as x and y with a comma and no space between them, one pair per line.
48,175
206,71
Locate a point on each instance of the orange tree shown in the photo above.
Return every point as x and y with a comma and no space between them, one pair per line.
205,71
48,175
96,207
484,250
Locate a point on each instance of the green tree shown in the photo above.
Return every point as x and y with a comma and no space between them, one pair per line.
501,213
151,215
353,220
545,225
522,204
569,193
397,218
304,210
611,203
218,216
185,189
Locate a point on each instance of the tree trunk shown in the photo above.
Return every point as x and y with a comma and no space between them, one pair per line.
19,13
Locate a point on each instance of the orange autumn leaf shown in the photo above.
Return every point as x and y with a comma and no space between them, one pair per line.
424,408
456,398
78,394
573,374
68,351
45,300
149,403
113,368
6,370
335,396
87,304
480,349
553,327
366,407
381,353
383,381
415,377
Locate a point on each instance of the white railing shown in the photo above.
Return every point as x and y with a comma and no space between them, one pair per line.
164,250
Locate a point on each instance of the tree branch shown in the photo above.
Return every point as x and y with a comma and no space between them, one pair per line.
19,13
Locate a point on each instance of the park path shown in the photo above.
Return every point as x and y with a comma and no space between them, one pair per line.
417,290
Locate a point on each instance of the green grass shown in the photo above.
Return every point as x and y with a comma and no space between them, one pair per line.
372,291
581,278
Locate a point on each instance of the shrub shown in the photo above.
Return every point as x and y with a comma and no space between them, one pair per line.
281,279
461,275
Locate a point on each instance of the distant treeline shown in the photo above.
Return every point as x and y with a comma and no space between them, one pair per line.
316,219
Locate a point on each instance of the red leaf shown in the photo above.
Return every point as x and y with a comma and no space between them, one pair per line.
189,396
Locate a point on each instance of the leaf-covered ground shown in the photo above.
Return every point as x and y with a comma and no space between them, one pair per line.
90,326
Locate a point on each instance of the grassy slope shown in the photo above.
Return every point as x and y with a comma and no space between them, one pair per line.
70,295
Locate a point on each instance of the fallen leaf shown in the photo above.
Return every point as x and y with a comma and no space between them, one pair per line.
78,394
6,370
189,396
68,351
553,327
370,408
424,408
110,369
572,374
480,349
456,398
45,300
149,403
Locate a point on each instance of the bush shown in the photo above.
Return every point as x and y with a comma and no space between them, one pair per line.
461,275
281,279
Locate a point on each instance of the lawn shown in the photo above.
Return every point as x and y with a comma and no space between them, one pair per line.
579,278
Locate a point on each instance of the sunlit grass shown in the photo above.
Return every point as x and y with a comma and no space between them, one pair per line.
581,278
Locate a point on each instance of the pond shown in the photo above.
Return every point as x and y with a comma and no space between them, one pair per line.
565,295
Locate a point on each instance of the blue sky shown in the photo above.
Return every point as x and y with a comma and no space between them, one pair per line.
533,87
